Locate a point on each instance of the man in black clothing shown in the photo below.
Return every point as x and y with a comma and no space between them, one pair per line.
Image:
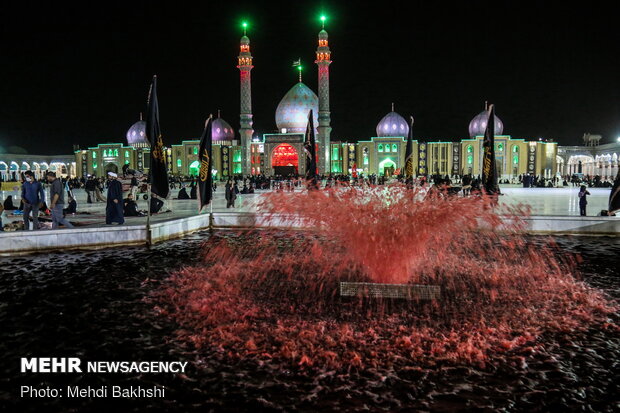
130,207
156,204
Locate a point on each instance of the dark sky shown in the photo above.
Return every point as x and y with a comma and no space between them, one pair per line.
80,74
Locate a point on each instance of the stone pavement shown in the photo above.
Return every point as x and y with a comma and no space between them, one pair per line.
543,201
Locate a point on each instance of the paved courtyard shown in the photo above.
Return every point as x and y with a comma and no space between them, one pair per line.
543,201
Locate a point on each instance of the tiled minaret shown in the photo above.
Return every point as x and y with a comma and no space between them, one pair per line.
323,60
245,111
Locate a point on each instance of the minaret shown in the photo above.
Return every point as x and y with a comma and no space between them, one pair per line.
245,111
323,60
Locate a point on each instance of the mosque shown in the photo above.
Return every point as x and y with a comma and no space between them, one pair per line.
236,153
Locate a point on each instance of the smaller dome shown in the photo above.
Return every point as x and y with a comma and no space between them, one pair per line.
222,131
245,40
136,135
478,125
392,125
323,35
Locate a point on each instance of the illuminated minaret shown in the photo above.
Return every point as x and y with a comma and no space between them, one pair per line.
245,111
323,60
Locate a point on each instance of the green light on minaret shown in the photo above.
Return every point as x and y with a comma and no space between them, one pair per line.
245,27
323,18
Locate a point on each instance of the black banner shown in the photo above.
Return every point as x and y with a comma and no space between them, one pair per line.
409,170
614,196
489,169
310,148
158,170
205,177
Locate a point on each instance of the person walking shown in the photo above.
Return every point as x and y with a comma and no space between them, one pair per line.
114,207
57,201
90,187
583,192
32,196
230,194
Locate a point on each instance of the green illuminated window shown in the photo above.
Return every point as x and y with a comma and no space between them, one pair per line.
470,159
335,153
515,149
387,147
365,159
394,147
179,163
500,147
94,165
470,149
195,150
515,159
380,147
126,154
94,155
115,152
237,156
237,168
105,153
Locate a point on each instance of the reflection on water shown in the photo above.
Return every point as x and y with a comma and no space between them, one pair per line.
91,305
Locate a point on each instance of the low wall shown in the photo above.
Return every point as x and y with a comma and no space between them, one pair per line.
107,236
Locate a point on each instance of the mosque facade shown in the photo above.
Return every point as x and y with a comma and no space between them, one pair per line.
240,152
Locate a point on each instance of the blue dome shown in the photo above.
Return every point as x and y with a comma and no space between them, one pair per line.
222,131
393,125
136,135
293,109
478,125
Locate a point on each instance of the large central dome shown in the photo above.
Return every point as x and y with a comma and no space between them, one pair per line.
292,111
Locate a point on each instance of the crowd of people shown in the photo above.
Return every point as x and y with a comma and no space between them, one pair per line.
33,207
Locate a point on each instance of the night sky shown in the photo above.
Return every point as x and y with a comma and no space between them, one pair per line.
79,75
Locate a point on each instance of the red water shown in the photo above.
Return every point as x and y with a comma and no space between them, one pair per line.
273,297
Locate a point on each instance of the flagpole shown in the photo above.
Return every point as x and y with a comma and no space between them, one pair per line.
148,217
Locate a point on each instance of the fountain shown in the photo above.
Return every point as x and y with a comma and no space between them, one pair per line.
273,296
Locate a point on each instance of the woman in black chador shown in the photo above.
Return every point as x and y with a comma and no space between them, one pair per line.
231,194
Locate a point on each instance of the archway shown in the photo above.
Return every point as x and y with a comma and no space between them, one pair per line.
111,167
194,168
387,167
284,160
4,171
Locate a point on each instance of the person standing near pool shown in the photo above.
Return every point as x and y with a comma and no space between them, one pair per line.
583,192
32,196
57,201
114,207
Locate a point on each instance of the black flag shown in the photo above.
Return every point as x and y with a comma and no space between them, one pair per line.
205,177
489,170
409,153
614,196
310,148
158,170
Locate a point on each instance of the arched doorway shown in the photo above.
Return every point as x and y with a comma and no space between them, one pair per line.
111,167
194,168
387,167
284,160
